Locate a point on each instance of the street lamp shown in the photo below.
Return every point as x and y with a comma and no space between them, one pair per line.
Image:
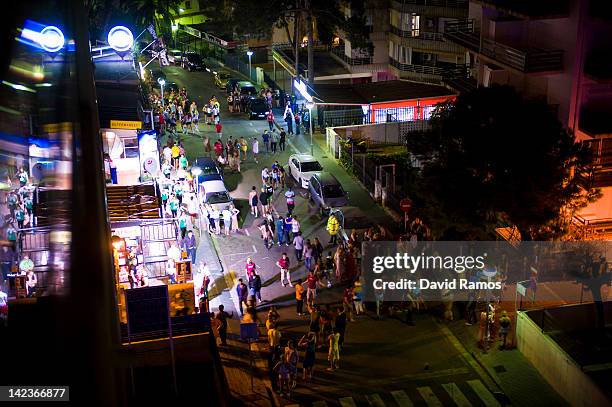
309,106
250,54
162,82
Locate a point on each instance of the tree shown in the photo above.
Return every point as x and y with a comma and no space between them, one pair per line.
325,15
134,13
496,159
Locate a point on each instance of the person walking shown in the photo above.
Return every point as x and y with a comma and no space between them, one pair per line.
253,201
270,119
289,121
291,355
183,224
273,141
312,281
255,148
255,287
307,253
340,325
266,234
264,200
287,229
226,214
309,342
333,227
295,226
298,245
290,197
504,327
222,317
297,123
284,263
282,139
334,351
249,268
244,147
215,215
299,298
279,226
266,140
189,243
242,292
235,212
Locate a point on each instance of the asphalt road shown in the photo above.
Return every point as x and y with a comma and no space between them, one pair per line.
385,362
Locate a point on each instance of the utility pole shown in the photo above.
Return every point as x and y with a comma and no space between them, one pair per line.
296,39
310,28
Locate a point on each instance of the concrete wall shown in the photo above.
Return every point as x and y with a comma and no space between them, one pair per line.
556,366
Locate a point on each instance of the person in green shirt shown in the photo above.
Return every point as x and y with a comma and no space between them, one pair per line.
183,225
178,191
20,216
173,205
183,162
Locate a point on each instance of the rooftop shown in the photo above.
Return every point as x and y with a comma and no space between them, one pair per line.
378,92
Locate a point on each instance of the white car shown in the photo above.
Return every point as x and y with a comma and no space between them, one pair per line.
302,167
215,193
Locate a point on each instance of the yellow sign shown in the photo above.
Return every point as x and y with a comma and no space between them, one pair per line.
57,127
125,124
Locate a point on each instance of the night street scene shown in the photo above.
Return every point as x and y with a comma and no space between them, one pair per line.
306,203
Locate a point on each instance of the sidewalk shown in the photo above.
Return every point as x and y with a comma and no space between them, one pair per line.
249,384
509,369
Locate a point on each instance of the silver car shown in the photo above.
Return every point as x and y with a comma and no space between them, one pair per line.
326,192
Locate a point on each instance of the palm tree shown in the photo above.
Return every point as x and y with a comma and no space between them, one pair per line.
156,12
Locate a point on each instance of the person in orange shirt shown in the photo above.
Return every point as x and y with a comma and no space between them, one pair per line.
299,297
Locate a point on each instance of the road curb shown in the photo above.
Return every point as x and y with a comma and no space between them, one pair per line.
489,378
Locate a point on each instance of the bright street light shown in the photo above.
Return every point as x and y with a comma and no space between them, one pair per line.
250,54
310,106
51,39
196,171
162,82
120,38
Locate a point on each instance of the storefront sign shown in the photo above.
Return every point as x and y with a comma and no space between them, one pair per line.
301,87
125,124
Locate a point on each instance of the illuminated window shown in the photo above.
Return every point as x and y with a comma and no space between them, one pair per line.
415,24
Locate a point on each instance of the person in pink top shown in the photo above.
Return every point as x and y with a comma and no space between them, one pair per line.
250,268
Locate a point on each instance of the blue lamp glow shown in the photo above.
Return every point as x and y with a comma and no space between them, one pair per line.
120,38
51,39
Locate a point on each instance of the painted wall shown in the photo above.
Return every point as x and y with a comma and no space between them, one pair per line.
556,366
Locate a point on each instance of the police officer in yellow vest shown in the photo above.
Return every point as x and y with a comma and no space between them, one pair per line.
333,226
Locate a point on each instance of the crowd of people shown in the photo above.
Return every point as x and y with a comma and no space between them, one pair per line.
20,215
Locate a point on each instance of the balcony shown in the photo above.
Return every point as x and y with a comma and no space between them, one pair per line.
530,8
441,8
427,73
463,32
425,41
339,52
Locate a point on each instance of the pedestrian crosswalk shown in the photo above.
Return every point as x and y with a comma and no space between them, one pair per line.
471,393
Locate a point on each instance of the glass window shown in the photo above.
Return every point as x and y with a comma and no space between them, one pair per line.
333,191
311,166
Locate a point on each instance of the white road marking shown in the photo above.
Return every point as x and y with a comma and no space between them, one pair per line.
347,402
254,248
401,398
484,394
250,123
429,396
455,393
246,231
375,400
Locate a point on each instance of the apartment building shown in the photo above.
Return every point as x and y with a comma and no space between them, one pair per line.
408,41
556,49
